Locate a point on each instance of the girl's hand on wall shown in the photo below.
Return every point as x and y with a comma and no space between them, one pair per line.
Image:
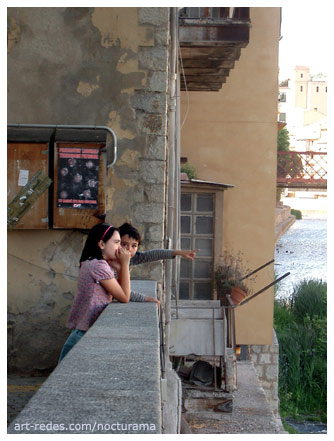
152,299
123,256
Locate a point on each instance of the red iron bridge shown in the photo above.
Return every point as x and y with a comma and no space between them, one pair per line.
302,169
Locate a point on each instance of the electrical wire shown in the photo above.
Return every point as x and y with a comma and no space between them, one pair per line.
185,85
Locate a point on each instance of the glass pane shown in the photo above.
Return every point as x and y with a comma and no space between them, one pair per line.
205,247
193,12
204,202
203,269
185,243
204,224
202,290
185,224
185,202
184,291
185,268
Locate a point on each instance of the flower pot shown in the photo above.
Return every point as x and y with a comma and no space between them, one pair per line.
237,295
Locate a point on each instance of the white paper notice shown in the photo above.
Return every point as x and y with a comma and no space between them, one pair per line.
23,177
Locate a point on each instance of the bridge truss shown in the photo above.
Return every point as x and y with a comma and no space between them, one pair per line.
302,169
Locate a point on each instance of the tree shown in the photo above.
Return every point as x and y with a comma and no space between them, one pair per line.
283,140
287,165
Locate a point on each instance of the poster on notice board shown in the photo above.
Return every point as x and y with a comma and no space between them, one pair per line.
78,177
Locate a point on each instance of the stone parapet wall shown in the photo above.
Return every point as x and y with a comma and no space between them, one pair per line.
283,220
282,213
109,382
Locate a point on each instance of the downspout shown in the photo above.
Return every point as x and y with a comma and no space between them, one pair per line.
171,176
73,127
177,217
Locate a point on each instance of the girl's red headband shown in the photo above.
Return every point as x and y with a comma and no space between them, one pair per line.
106,232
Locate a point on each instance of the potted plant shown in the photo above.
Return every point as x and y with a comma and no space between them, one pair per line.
228,276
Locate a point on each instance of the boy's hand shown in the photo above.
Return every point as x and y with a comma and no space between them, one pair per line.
187,254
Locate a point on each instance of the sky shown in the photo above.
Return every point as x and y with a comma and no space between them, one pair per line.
306,39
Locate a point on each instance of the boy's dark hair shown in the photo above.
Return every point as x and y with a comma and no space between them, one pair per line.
131,231
91,249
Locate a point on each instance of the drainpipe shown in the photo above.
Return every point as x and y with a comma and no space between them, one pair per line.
171,177
177,217
73,127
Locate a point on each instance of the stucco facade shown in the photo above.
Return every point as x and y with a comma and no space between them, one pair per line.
94,66
230,137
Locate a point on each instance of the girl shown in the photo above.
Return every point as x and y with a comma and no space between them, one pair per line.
97,285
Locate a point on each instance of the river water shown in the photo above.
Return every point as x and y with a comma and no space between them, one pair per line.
302,251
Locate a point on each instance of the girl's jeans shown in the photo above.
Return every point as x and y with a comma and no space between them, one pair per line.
73,338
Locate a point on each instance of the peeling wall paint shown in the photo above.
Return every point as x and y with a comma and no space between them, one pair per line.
127,65
86,89
115,122
119,27
14,33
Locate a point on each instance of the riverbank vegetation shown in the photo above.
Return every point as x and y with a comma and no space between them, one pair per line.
296,213
301,326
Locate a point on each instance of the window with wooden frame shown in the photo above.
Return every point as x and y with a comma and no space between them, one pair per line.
201,228
197,232
76,197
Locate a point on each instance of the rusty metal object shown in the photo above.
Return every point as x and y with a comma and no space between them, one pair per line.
264,289
302,169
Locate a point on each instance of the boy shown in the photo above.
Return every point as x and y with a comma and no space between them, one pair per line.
131,239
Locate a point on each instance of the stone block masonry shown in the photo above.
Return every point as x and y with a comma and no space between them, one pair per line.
265,360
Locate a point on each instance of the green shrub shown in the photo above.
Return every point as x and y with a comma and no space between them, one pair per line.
190,170
301,328
309,298
296,213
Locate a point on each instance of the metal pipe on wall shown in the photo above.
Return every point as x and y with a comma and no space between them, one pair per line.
73,127
177,235
171,174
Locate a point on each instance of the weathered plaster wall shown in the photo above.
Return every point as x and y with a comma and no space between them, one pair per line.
42,276
94,66
230,137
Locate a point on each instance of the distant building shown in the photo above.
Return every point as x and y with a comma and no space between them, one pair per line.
303,107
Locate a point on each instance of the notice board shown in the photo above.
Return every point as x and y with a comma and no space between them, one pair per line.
23,161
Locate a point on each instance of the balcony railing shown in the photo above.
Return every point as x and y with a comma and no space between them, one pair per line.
210,41
214,13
